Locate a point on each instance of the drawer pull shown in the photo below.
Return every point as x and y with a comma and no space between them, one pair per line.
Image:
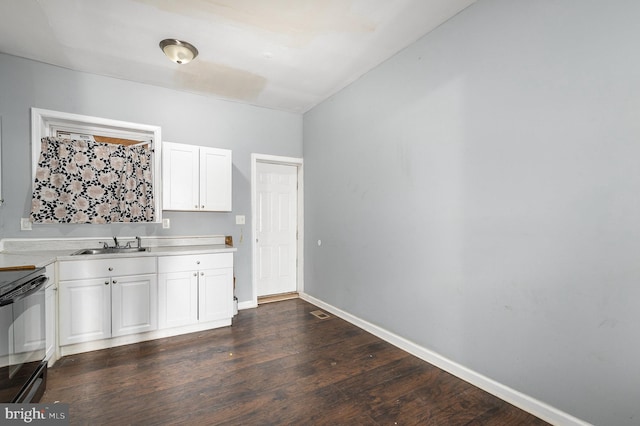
110,268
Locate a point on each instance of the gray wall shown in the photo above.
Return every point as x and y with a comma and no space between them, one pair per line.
479,194
185,118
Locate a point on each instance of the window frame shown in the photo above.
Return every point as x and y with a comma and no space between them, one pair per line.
47,122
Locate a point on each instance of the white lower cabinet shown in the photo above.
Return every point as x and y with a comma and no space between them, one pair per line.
100,300
215,294
85,310
50,324
123,300
51,314
177,299
195,289
134,304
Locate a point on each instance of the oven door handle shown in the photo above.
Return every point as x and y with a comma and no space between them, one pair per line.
34,286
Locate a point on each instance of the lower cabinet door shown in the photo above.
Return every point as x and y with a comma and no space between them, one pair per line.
134,302
84,310
177,299
215,301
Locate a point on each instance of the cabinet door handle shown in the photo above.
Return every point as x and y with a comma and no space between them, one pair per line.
110,268
106,283
202,207
197,262
195,274
202,274
196,206
115,282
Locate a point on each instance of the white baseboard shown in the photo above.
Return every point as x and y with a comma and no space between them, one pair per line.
531,405
249,304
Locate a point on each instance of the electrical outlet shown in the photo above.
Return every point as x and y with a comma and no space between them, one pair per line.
166,224
25,224
240,220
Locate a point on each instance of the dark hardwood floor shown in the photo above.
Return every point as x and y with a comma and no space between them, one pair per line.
277,364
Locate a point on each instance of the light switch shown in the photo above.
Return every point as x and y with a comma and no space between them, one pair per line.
240,220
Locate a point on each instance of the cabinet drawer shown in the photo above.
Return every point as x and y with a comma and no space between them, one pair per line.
82,269
194,262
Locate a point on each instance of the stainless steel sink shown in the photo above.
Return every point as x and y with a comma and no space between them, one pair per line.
110,250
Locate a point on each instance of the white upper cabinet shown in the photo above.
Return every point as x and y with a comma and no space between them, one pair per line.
215,179
196,178
180,176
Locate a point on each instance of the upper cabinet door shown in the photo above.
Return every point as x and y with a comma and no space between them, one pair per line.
196,178
180,176
215,179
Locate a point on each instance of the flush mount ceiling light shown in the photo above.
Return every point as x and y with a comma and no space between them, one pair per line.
178,51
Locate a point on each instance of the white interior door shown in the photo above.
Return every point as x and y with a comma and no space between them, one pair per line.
276,231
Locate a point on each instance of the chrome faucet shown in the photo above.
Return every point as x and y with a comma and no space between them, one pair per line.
117,244
139,243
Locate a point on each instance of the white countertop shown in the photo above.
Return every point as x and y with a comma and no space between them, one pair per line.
41,258
8,260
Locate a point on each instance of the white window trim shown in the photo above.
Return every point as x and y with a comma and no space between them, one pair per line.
46,122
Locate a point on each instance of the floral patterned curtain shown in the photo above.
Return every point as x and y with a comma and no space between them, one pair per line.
80,181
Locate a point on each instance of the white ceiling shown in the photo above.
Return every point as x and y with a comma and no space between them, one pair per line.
283,54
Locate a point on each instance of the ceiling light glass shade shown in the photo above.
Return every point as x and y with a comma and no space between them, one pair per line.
178,51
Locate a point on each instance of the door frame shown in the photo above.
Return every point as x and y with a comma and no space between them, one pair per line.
286,161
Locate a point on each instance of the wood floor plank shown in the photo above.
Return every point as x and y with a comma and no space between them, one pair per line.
276,365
